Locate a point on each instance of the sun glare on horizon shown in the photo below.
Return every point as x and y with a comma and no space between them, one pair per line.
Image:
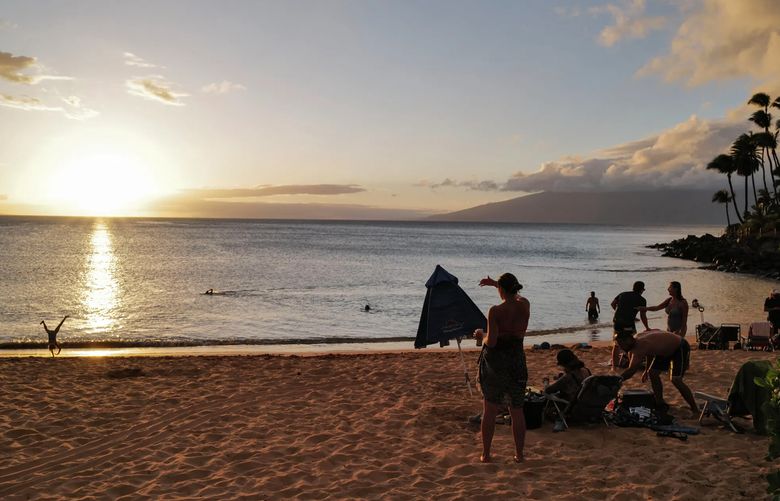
102,184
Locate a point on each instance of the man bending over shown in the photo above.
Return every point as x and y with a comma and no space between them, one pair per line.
664,352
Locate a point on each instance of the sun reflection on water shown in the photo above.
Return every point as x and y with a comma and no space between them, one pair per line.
100,297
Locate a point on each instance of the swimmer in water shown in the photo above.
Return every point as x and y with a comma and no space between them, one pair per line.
53,336
210,292
367,308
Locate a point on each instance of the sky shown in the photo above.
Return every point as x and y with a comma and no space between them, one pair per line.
367,109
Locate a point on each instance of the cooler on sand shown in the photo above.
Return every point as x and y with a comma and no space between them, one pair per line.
533,409
637,398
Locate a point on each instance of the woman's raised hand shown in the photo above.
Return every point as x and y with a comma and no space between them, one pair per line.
488,281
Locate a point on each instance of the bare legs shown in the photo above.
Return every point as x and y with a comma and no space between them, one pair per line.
53,335
658,388
686,393
677,381
488,427
518,431
57,329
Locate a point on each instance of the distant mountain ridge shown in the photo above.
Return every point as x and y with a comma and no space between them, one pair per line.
681,207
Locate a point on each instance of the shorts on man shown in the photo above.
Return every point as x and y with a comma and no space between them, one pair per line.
677,363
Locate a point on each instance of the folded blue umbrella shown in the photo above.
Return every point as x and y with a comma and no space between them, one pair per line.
448,312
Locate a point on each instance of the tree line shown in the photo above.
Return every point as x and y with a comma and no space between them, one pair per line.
750,153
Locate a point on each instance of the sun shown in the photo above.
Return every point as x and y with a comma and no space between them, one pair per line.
102,184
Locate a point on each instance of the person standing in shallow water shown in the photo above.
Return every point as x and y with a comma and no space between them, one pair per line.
502,368
53,335
592,307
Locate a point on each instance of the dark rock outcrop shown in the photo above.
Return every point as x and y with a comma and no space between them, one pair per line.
753,255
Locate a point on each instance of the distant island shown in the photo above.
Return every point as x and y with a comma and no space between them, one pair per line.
669,207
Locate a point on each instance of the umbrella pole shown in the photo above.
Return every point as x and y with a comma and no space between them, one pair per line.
465,370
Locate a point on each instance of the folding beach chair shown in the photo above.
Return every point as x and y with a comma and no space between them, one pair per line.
744,397
759,337
710,337
594,395
716,407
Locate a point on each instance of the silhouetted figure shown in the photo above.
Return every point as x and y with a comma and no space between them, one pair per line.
367,308
592,307
53,336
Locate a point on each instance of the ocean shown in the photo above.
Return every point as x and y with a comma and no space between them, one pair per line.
142,282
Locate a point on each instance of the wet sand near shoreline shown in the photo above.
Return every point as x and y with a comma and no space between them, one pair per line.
345,426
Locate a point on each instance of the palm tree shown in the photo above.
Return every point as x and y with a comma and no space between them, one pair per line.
763,120
725,165
743,152
776,104
723,197
760,99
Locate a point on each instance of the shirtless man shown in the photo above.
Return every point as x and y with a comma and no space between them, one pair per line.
592,306
664,351
53,336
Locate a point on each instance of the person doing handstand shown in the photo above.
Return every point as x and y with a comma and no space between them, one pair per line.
53,335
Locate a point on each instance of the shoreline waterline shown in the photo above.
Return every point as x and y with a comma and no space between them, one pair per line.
593,335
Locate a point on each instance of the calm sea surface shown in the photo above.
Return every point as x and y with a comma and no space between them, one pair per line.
141,281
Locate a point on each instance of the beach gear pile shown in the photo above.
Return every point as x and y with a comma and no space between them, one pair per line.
640,416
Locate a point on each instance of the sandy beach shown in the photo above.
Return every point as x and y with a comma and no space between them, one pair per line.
336,426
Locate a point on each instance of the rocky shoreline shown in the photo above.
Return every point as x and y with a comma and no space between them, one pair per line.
753,255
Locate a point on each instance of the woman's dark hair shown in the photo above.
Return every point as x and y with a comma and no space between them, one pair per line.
677,288
567,359
509,283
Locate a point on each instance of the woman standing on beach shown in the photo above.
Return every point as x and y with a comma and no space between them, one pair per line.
676,307
502,367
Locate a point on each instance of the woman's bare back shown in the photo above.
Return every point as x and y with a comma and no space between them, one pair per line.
511,317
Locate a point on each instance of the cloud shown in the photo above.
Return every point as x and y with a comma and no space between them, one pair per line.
133,60
7,25
13,68
676,158
267,191
72,109
469,185
24,103
629,21
723,39
155,88
222,87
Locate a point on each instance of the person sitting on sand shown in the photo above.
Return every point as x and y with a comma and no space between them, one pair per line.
676,307
53,335
568,384
664,352
592,307
502,366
